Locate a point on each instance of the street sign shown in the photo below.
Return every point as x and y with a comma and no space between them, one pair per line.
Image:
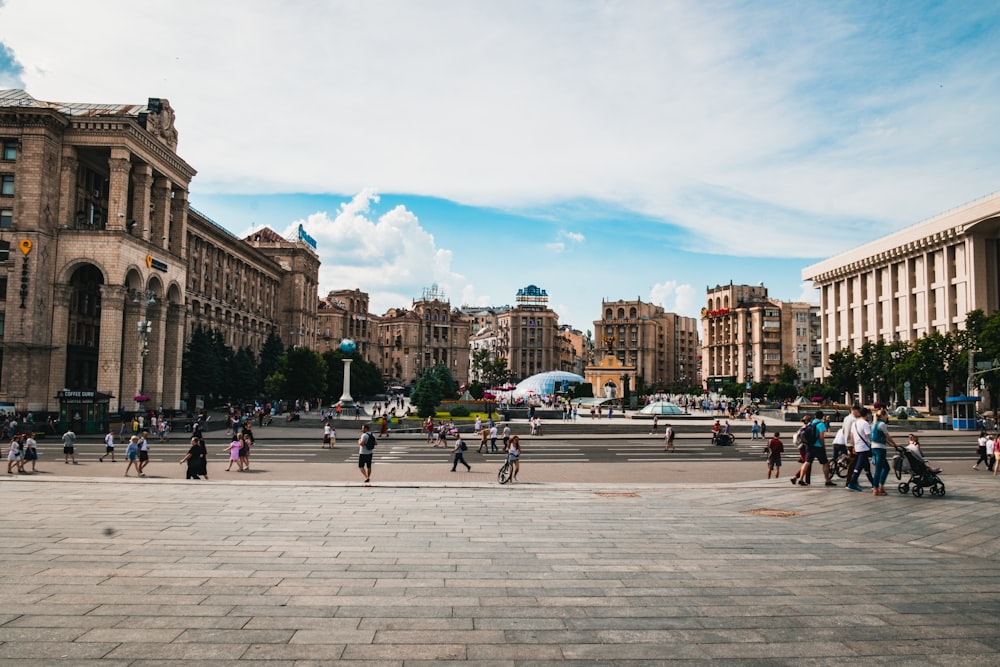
984,365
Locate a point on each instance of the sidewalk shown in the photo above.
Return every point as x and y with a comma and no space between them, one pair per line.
155,572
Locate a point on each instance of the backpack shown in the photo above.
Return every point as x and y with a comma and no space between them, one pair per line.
810,434
370,441
462,444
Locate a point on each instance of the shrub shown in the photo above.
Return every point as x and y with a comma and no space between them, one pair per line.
459,411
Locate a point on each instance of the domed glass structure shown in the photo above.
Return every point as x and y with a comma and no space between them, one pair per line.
544,384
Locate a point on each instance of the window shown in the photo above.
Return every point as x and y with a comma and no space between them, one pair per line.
9,149
4,251
3,288
7,184
6,218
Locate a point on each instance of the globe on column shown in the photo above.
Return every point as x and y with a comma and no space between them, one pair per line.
348,346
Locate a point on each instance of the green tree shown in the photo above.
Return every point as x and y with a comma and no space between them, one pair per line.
788,375
271,351
305,374
243,376
843,368
446,382
202,366
427,393
780,391
365,377
493,371
583,390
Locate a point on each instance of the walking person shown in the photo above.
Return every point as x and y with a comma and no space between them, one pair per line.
801,446
234,454
514,454
143,453
14,456
132,454
506,437
366,451
881,437
815,431
246,442
483,437
668,438
461,447
194,458
755,430
861,435
327,432
774,450
656,422
981,450
493,437
109,446
29,452
69,438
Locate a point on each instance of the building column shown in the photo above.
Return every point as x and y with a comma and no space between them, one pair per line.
160,216
177,236
109,370
142,195
67,188
157,316
173,351
120,164
61,295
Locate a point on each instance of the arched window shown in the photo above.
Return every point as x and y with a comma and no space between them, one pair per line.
621,313
607,313
631,313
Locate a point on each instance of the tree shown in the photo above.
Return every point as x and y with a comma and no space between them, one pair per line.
583,390
446,383
270,353
427,393
305,374
365,377
243,376
843,368
202,366
492,371
788,375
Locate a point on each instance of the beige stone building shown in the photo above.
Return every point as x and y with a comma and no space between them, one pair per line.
529,334
749,337
96,237
663,347
428,334
915,281
344,314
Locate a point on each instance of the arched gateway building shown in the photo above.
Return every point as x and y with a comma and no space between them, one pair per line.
105,270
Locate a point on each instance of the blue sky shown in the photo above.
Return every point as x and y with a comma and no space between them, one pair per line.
597,149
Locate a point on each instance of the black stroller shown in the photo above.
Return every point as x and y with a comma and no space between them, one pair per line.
921,476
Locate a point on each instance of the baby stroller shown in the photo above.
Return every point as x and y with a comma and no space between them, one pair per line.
921,476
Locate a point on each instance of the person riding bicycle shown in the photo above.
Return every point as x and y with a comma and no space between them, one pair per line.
514,454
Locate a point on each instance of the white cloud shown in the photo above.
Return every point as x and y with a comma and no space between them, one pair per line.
556,247
575,237
675,297
392,257
809,294
733,121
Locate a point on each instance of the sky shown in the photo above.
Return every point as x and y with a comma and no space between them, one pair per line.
596,149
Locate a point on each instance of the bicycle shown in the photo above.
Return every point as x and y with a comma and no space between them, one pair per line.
506,472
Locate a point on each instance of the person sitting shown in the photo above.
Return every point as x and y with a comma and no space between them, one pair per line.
913,446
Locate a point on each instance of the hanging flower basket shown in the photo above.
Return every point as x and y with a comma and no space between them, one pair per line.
141,398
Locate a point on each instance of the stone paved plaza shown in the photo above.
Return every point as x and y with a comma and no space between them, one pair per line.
164,572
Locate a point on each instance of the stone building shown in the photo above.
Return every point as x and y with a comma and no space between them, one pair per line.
529,334
428,334
918,280
344,314
661,346
95,241
749,337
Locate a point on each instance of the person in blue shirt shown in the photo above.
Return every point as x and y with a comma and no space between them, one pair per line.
816,451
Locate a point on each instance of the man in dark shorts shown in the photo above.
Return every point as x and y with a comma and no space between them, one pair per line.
816,451
366,448
68,452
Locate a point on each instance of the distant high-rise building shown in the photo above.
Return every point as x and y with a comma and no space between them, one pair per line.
528,334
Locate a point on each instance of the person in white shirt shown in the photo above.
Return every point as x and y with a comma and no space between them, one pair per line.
861,432
982,450
109,446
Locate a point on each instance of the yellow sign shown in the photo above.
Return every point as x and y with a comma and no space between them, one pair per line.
25,246
149,261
